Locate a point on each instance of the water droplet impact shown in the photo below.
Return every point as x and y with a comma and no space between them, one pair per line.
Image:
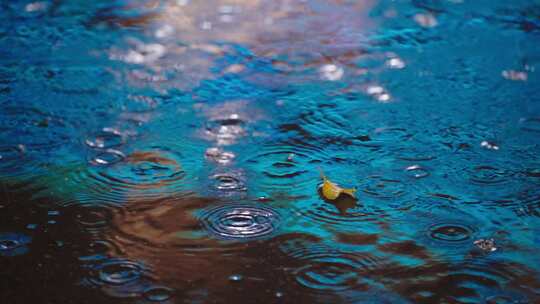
239,221
488,175
158,294
13,244
119,272
8,244
41,130
383,188
530,124
98,250
414,154
143,170
91,217
225,182
285,166
330,270
450,232
501,300
533,172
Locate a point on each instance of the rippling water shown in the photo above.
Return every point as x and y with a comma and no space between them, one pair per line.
170,151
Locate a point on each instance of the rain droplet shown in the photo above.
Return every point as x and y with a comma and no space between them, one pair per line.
241,221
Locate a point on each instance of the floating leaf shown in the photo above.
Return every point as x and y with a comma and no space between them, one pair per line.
332,191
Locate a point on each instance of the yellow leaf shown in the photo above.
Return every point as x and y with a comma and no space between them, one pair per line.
331,191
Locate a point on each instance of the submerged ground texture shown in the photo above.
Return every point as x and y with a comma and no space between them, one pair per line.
171,151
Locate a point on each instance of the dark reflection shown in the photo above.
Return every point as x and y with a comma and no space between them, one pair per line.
343,202
159,250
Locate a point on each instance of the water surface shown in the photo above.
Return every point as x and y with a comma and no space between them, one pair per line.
170,151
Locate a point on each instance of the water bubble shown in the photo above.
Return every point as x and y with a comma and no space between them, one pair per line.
240,221
378,92
514,75
226,182
106,139
417,171
331,72
489,145
107,157
143,53
225,131
395,63
219,156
